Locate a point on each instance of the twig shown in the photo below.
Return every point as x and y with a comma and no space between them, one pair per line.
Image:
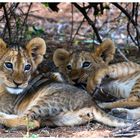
27,14
128,131
136,12
7,22
128,24
71,25
77,30
25,20
132,21
124,57
79,27
90,22
125,12
125,135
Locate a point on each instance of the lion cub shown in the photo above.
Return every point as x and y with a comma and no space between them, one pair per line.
121,80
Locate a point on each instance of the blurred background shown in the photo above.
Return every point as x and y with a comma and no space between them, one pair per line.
73,25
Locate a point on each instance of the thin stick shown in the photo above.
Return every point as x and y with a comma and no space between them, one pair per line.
90,22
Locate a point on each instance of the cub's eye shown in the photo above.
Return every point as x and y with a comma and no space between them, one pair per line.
86,64
27,67
69,67
8,65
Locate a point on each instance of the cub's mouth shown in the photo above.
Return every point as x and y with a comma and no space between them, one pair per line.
14,90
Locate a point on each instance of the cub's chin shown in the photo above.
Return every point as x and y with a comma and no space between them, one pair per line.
15,91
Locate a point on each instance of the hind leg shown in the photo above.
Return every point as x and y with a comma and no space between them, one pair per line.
70,118
15,121
87,114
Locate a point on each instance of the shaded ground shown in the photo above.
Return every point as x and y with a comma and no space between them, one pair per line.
57,27
96,130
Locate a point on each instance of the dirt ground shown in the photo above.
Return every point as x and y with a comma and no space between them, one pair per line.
85,131
54,24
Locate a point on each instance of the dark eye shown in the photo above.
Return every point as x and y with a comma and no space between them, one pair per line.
86,64
8,65
27,67
69,67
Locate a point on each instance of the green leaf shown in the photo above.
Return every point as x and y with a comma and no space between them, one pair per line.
34,136
46,4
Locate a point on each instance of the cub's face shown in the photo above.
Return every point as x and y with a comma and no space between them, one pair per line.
17,64
78,66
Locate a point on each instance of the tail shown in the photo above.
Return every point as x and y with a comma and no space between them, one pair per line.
107,119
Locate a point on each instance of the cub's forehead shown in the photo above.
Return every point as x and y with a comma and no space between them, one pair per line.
17,54
80,56
77,58
17,51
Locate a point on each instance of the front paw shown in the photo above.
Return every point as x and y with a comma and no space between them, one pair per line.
90,89
93,89
91,86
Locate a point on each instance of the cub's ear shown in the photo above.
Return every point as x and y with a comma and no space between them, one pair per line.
36,49
106,50
60,57
2,45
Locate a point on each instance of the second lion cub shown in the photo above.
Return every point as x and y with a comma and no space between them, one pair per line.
91,68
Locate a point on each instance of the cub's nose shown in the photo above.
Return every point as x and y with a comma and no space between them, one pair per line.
17,83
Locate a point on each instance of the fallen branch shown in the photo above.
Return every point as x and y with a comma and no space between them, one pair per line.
130,131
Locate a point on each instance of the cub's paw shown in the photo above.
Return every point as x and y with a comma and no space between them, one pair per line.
93,84
91,87
87,114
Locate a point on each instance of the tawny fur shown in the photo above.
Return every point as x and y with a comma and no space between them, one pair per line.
123,78
58,104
